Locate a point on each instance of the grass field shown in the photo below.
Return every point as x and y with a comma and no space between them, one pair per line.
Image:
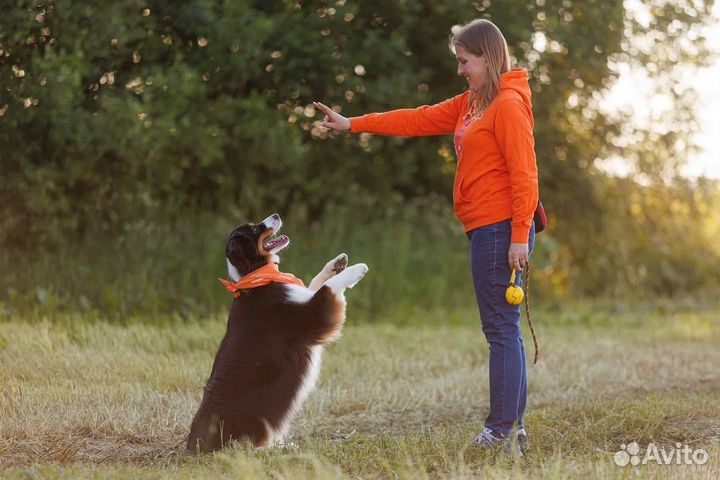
84,399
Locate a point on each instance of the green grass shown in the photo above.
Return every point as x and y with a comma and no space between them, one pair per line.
161,270
81,399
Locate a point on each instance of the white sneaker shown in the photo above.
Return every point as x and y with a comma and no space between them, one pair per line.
522,440
490,440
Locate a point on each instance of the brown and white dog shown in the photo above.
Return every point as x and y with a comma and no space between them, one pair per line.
269,359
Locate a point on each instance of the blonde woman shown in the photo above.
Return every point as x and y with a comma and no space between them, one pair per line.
495,194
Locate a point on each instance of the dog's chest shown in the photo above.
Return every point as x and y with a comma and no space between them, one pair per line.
297,294
309,379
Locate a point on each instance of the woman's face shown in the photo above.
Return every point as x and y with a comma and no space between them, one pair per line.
472,67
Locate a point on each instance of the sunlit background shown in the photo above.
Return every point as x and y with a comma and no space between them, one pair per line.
635,91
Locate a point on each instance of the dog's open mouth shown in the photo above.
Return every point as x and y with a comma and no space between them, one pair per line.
276,244
272,245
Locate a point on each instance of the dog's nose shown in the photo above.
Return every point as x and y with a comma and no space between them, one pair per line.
275,216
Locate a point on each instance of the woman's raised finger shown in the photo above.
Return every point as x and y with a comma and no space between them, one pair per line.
324,108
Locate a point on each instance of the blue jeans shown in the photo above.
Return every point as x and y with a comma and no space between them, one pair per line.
489,246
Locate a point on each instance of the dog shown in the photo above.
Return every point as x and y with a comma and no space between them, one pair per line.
269,360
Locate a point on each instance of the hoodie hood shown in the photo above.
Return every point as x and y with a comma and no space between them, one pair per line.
516,80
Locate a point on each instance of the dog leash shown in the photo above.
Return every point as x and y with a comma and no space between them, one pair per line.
527,311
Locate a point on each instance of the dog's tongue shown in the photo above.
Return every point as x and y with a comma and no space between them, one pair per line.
275,242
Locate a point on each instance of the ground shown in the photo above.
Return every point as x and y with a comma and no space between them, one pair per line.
84,399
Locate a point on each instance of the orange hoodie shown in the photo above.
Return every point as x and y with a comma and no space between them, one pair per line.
496,176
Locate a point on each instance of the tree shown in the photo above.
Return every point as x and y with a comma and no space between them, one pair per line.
145,109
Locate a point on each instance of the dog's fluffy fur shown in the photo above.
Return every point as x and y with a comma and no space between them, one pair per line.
269,359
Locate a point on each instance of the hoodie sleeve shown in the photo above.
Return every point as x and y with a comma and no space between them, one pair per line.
438,119
513,131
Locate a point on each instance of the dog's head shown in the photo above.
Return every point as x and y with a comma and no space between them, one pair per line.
251,246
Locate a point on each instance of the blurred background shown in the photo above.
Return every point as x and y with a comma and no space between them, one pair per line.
135,134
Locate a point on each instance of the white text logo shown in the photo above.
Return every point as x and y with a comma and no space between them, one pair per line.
630,454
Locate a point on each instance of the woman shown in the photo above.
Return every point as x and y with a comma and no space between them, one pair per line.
495,194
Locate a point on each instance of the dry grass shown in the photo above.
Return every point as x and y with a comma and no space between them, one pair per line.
85,400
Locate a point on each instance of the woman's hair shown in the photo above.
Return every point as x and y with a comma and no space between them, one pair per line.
482,37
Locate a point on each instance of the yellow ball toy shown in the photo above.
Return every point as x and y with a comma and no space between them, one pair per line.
514,294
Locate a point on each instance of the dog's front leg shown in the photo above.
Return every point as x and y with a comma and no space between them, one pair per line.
328,305
347,279
332,268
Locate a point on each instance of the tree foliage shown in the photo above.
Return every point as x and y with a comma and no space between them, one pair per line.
144,108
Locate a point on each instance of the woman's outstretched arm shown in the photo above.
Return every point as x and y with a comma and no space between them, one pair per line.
438,119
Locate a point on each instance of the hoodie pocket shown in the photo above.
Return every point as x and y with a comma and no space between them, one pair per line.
462,205
460,195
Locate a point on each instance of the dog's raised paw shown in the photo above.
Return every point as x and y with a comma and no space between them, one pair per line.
347,278
358,272
340,263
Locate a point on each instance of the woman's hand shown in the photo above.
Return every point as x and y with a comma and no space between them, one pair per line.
332,120
518,256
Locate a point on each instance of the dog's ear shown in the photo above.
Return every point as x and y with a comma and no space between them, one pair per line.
242,254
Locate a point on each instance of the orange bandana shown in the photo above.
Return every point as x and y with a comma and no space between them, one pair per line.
260,277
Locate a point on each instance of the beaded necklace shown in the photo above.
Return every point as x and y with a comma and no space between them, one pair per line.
474,112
